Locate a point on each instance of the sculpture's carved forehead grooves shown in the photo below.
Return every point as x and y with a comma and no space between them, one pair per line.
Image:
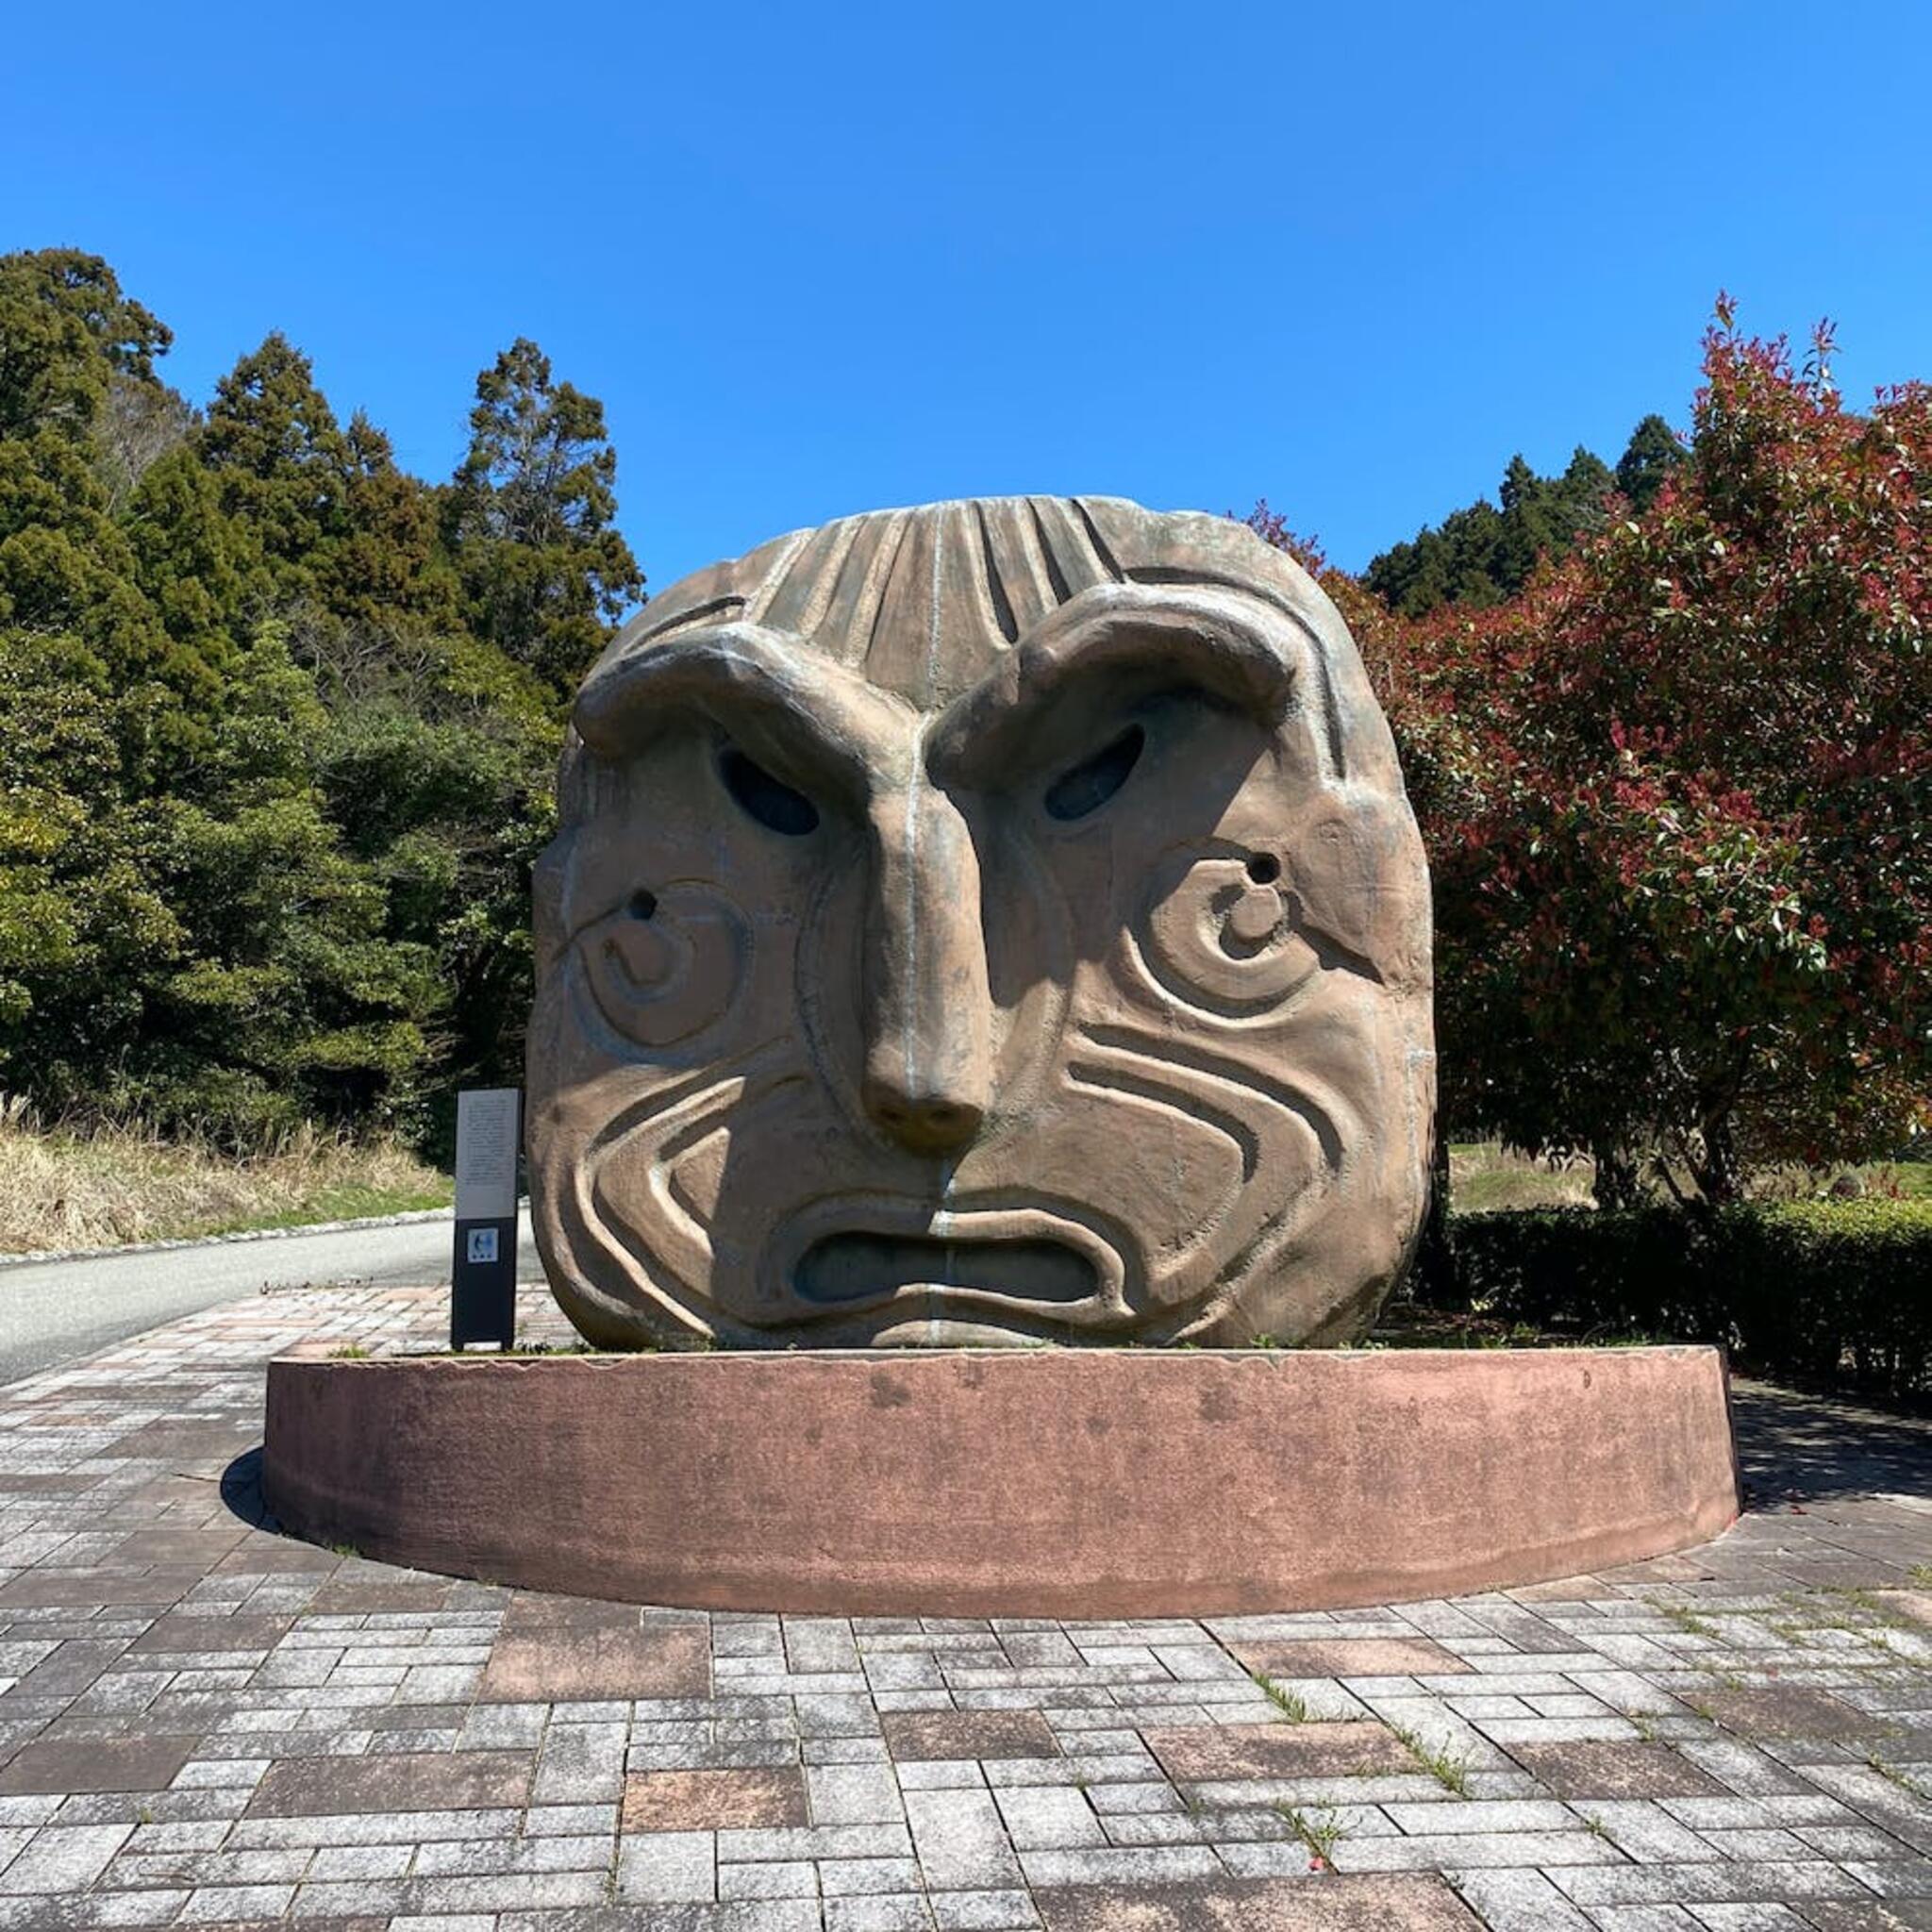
923,603
919,601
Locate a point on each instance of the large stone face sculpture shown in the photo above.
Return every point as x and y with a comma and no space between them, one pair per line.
994,921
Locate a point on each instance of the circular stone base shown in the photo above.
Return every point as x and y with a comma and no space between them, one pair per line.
1054,1482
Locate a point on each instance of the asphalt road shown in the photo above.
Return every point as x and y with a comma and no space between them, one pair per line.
54,1312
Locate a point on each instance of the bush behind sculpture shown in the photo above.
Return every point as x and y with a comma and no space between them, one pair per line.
1679,800
1812,1287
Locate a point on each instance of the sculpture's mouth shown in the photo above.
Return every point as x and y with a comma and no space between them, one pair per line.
842,1268
887,1259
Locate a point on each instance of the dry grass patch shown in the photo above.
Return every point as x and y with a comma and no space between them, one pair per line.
90,1188
1483,1176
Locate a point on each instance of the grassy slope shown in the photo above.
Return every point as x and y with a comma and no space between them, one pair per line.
68,1189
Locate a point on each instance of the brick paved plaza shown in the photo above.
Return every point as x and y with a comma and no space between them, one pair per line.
204,1722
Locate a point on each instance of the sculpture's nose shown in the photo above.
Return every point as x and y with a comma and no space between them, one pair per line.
929,1018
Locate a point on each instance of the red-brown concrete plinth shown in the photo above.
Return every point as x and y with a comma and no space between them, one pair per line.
1056,1482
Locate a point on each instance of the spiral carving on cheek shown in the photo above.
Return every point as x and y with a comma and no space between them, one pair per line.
1220,933
667,964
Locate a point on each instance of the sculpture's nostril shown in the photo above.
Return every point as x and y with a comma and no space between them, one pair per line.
927,1124
950,1122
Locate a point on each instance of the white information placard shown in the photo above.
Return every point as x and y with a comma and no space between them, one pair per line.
487,1120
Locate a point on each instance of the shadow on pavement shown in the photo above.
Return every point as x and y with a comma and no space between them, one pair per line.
241,1492
1804,1448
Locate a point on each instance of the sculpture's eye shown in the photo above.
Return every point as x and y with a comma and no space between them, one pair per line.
772,802
1094,780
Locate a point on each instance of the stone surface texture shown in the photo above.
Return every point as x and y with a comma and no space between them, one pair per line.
975,1482
204,1722
993,920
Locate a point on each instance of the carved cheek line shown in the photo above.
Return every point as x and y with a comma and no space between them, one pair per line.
1129,1082
634,1267
1243,1245
1311,1107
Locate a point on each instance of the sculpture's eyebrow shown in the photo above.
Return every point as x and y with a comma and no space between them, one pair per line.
1220,641
753,682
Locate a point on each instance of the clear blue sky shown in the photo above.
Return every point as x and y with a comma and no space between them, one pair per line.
818,258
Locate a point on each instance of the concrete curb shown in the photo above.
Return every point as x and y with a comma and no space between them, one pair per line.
37,1256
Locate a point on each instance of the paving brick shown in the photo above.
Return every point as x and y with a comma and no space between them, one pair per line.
919,1735
1645,1830
1719,1884
99,1764
772,1878
667,1866
1519,1814
602,1658
855,1878
1519,1901
1880,1799
1869,1915
61,1860
1326,1905
1473,1850
733,1800
1613,1771
984,1912
580,1764
192,1632
415,1781
853,1794
907,1913
817,1842
1895,1879
1788,1711
960,1842
1223,1752
1347,1656
1048,1817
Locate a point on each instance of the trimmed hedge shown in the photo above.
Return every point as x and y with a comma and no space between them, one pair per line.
1837,1291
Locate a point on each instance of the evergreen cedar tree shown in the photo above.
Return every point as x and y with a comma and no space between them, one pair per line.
278,726
1485,555
279,722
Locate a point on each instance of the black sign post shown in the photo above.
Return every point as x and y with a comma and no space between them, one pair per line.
483,1297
